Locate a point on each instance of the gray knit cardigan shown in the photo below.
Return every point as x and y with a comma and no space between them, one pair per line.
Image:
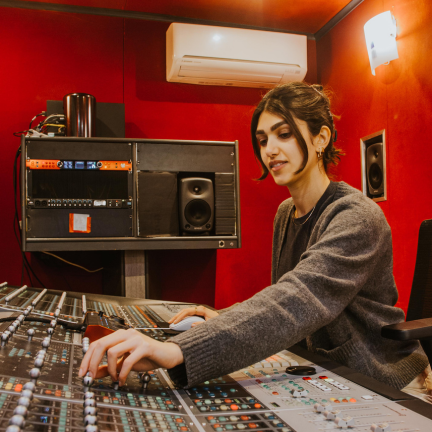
338,297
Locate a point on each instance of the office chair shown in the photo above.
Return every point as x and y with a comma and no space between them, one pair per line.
418,323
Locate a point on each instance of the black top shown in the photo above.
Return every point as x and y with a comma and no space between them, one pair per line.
299,230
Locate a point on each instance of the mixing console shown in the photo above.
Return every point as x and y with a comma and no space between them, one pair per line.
44,335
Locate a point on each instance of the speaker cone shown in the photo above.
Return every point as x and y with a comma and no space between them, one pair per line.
375,176
197,213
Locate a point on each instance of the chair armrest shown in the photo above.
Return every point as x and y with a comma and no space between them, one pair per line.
418,329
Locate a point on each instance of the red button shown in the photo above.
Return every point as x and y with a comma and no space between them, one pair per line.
184,428
257,405
210,418
252,425
323,377
234,407
307,378
18,387
244,417
179,420
275,393
228,400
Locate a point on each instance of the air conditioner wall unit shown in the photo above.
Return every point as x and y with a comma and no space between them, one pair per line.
209,55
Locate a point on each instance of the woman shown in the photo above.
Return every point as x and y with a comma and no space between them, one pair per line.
332,282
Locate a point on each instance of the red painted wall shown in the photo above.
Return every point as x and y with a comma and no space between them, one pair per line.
397,99
52,54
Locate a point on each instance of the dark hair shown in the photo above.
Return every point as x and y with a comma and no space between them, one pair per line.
305,102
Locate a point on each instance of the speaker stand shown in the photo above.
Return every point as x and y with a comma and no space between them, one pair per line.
135,273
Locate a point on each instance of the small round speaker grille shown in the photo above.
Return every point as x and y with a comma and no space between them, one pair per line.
197,213
375,176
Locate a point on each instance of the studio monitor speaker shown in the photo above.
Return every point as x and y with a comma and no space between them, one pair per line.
375,174
196,205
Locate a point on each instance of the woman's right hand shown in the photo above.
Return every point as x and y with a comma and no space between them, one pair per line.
194,311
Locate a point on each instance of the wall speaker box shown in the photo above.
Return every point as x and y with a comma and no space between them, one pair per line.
225,210
196,206
157,204
375,173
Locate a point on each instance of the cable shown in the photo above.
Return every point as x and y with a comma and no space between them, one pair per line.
43,113
76,265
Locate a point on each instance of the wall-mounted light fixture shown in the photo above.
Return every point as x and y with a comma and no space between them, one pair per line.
380,32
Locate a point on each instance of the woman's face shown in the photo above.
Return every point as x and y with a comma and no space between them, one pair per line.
280,150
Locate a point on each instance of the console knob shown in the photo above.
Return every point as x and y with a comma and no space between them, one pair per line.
331,415
115,385
382,427
86,340
89,395
90,410
53,323
21,318
91,428
17,420
4,339
89,403
57,313
50,330
21,410
99,164
345,422
13,428
23,401
30,333
146,378
35,373
39,362
90,419
321,407
27,393
60,164
29,386
46,343
11,329
87,381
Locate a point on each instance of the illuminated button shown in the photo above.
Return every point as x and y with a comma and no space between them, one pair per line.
18,387
228,400
243,417
223,407
352,400
275,393
233,418
323,377
307,378
253,425
241,426
257,405
234,407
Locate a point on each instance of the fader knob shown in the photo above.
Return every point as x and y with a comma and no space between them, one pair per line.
13,428
21,410
53,323
146,378
345,422
321,407
90,420
17,420
87,381
331,415
90,410
27,393
57,313
89,395
50,330
30,334
46,343
115,385
4,339
29,386
21,318
39,362
382,427
91,428
89,403
11,329
35,373
24,401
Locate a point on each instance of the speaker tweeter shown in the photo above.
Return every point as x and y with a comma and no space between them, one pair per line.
196,206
